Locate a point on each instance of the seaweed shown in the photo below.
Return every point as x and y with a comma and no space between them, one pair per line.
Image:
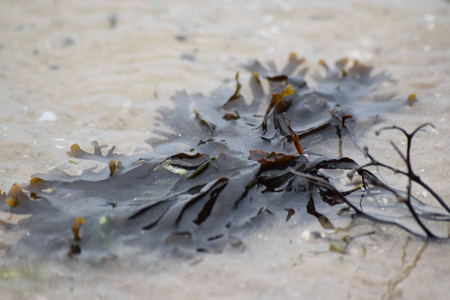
76,228
225,163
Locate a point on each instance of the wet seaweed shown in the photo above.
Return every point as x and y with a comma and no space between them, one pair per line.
227,162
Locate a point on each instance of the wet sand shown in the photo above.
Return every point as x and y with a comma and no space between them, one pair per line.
82,72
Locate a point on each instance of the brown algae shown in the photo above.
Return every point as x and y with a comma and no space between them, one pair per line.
225,163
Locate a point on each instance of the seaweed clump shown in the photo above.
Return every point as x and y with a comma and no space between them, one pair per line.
227,162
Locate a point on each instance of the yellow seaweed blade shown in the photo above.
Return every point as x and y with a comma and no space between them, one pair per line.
288,90
276,98
76,227
15,190
323,64
75,150
12,202
342,63
112,166
35,180
411,99
294,58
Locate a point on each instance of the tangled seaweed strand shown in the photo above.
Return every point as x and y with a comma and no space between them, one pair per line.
223,164
369,178
371,183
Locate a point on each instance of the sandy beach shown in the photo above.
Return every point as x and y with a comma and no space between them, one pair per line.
78,72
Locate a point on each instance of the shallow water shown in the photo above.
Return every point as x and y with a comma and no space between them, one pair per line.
77,73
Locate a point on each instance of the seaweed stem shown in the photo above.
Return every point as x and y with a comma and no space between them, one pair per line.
411,175
76,228
295,138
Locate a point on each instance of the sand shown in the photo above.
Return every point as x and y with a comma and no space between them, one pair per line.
77,72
